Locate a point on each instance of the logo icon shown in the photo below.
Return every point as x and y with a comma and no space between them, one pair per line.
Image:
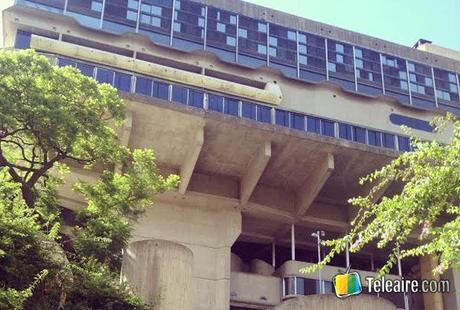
347,284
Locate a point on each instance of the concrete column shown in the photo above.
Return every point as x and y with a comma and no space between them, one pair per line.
431,301
160,272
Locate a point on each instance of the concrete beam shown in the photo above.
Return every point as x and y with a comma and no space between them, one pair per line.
312,186
254,172
186,170
353,211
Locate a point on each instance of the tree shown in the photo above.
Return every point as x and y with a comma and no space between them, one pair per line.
429,202
51,117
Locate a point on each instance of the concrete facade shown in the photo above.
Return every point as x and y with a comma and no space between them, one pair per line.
253,189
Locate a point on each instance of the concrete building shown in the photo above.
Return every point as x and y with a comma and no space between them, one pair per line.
269,119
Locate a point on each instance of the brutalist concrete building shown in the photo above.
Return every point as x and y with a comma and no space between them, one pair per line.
269,119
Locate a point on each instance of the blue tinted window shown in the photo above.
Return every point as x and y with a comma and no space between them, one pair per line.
263,114
389,140
122,81
282,118
179,94
404,143
215,103
143,86
160,90
104,76
22,39
66,62
249,110
411,122
313,124
359,134
85,69
374,138
327,128
231,106
196,98
345,131
297,121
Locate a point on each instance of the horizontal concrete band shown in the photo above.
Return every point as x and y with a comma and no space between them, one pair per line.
271,94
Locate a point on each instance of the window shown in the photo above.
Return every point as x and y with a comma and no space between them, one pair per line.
340,57
282,46
312,53
404,144
446,85
282,118
395,75
215,103
96,6
179,94
262,27
263,114
345,131
249,110
242,33
221,29
143,86
421,80
189,16
231,106
359,134
313,124
104,76
297,121
160,90
85,69
122,81
22,39
327,128
368,67
261,49
252,38
231,41
388,140
374,138
196,98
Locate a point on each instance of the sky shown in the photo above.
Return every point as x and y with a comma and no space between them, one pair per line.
399,21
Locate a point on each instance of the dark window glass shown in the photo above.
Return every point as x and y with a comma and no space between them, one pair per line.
155,15
368,69
122,81
359,134
231,106
160,90
297,121
313,124
122,11
446,85
91,8
252,37
411,122
345,131
221,31
282,118
249,110
263,114
104,76
85,69
374,137
404,144
63,62
340,57
312,52
215,103
179,94
22,39
327,128
421,81
395,74
196,98
389,140
282,45
189,20
50,5
143,86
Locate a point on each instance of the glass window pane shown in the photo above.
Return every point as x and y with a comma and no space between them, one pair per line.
282,118
104,76
359,134
231,106
313,124
249,110
179,94
215,103
160,90
263,114
327,128
389,140
122,81
297,121
196,98
143,86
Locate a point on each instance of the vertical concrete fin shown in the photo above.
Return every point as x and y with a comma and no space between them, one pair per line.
312,186
254,172
186,170
125,134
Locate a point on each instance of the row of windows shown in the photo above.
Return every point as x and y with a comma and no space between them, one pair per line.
240,108
254,42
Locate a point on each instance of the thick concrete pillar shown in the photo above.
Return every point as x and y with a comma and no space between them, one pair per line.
431,301
160,272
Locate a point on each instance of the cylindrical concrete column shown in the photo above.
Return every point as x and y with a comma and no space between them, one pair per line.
160,272
432,301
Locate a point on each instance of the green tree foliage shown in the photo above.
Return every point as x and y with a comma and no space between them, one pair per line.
51,117
428,205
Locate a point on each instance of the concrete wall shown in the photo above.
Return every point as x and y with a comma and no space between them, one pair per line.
452,299
328,302
209,232
255,289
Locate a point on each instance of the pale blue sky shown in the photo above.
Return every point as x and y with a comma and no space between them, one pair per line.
399,21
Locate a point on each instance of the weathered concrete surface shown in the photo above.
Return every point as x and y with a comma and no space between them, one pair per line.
432,301
158,270
329,301
254,289
258,266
